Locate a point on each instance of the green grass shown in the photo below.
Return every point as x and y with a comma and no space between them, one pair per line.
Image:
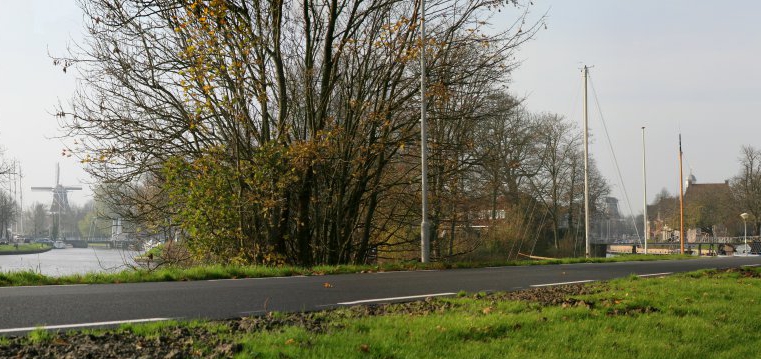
690,317
22,247
39,335
696,315
206,272
225,272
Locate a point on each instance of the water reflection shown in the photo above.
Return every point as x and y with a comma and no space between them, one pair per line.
58,262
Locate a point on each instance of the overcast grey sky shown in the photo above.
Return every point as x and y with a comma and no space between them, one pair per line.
671,66
30,87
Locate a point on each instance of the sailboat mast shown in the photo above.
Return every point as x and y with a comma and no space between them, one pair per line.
681,199
644,189
586,165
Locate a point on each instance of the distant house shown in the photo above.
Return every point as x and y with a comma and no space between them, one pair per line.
709,209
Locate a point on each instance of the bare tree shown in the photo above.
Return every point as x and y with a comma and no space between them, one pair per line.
8,213
559,180
271,129
746,185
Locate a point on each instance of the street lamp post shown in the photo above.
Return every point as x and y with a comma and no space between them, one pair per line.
745,235
425,241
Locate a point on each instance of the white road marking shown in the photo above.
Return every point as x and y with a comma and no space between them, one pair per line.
561,283
751,265
395,298
81,325
655,274
256,278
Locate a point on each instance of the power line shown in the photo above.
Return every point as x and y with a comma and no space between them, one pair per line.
615,159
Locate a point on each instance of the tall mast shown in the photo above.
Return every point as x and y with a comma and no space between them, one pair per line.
586,164
644,187
681,199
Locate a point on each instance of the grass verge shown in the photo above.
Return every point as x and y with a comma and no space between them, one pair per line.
26,278
710,313
9,248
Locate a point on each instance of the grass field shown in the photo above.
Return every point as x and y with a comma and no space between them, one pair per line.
206,272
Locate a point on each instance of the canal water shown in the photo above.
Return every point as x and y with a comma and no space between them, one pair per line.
59,262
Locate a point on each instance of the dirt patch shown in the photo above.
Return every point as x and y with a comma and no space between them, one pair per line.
106,345
550,296
747,272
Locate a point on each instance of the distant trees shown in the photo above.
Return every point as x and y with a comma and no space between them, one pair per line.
665,208
8,205
746,186
8,213
36,219
559,180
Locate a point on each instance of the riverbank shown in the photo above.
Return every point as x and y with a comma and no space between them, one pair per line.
71,267
21,249
681,316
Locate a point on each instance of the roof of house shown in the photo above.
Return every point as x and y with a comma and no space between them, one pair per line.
701,191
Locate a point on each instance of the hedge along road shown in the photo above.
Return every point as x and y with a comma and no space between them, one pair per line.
102,305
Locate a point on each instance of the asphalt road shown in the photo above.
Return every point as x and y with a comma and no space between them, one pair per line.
77,306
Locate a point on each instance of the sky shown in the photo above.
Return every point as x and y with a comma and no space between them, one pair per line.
677,66
31,87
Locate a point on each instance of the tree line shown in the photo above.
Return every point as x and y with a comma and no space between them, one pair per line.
288,131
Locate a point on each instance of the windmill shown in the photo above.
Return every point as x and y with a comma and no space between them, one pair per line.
60,202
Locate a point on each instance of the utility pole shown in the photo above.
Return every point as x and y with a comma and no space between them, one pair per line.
586,165
681,199
425,244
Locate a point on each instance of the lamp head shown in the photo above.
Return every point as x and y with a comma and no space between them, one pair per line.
744,216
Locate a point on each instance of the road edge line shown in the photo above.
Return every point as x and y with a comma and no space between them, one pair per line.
395,298
82,325
562,283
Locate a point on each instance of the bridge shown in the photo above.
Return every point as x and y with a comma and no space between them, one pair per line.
700,246
123,243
